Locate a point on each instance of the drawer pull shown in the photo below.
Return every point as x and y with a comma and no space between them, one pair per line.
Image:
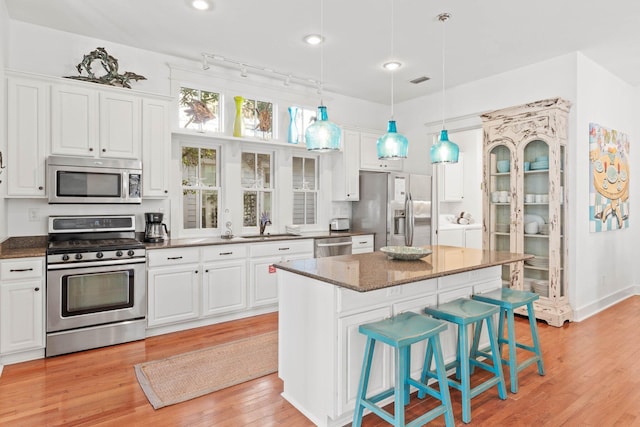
225,253
174,257
284,249
36,289
19,270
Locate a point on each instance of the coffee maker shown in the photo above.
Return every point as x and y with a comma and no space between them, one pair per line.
155,230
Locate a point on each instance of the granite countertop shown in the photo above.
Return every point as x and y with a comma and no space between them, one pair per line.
23,247
35,246
370,271
206,241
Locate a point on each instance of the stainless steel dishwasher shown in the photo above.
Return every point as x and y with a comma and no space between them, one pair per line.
332,246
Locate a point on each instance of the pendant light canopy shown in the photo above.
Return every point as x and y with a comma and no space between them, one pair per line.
392,145
444,151
322,135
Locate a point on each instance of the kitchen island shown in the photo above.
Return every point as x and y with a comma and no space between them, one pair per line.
323,301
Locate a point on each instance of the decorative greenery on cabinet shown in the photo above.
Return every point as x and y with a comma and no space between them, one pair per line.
524,202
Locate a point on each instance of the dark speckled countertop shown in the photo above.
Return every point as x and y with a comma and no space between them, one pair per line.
35,246
206,241
370,271
23,247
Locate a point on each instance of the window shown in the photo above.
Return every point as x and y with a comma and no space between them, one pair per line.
200,188
257,187
199,110
305,190
257,118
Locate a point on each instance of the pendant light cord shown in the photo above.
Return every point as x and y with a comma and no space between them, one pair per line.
321,82
443,17
392,56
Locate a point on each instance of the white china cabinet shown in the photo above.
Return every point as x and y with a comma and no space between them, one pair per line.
524,202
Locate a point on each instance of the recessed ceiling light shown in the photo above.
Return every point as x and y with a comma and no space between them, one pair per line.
392,65
313,39
201,4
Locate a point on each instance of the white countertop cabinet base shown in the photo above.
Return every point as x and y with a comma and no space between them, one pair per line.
321,350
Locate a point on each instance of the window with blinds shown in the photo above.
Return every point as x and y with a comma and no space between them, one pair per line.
305,190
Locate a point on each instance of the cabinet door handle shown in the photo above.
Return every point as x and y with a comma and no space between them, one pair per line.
166,191
90,149
225,253
41,188
36,289
18,270
283,249
174,257
206,271
104,150
196,271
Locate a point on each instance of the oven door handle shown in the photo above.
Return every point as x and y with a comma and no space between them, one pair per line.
95,264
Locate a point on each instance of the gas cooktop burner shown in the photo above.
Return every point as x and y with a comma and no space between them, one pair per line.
96,244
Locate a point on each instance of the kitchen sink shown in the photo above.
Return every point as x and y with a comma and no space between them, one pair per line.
268,236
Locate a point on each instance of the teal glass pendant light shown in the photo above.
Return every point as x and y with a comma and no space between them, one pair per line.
444,151
392,145
322,135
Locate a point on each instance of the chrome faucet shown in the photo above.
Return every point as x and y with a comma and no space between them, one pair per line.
264,221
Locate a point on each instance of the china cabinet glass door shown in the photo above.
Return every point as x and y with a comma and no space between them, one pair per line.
500,190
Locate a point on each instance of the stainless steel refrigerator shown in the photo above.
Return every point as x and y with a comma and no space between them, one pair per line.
391,205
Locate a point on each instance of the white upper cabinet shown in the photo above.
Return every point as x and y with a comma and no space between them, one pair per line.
156,148
345,168
28,137
119,126
451,181
48,115
74,121
94,123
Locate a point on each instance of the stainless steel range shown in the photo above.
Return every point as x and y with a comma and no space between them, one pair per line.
96,283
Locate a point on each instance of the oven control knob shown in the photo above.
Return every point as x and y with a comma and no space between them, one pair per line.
99,255
131,252
119,253
65,257
78,256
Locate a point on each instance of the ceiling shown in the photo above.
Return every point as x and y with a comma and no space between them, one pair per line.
482,37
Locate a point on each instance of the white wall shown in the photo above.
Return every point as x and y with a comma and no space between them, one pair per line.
599,263
59,52
4,53
601,271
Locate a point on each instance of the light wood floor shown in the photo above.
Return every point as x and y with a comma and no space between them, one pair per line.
592,379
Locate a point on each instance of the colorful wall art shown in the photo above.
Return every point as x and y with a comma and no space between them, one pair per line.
608,178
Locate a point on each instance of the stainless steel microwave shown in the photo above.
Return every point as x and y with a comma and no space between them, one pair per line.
83,180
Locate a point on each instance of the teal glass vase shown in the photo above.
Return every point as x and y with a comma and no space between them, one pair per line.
323,135
293,134
392,145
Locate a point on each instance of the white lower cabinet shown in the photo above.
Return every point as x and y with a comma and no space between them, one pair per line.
173,294
461,236
22,298
263,282
224,287
351,346
173,285
331,357
362,244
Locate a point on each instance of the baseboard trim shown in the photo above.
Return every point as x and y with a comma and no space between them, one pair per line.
596,307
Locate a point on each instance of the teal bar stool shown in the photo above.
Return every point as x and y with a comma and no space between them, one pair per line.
508,300
465,312
400,332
